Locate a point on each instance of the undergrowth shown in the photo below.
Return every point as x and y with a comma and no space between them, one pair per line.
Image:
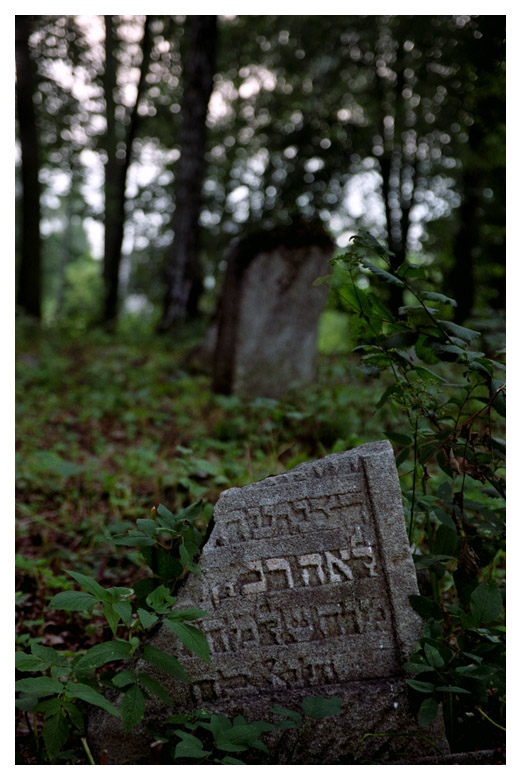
109,429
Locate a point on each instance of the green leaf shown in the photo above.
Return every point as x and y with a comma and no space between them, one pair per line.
124,610
147,526
192,638
169,664
455,689
41,686
424,606
445,519
411,271
112,617
401,339
72,600
482,671
47,654
499,398
55,733
404,310
134,539
385,275
390,391
485,603
431,296
188,615
400,439
417,667
146,618
155,687
184,555
420,686
321,707
365,239
466,334
28,663
160,598
88,583
428,711
189,746
50,707
82,691
132,707
294,717
112,651
74,714
124,678
27,702
427,374
325,280
162,563
166,517
433,656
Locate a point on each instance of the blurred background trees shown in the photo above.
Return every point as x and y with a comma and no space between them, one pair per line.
395,124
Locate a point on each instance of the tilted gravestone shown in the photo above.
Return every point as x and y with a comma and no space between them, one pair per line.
269,311
306,577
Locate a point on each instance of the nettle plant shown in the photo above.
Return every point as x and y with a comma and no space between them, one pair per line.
449,400
67,680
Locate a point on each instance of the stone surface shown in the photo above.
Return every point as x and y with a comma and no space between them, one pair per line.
269,311
306,578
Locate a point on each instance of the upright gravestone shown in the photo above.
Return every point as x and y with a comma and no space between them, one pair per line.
269,310
306,578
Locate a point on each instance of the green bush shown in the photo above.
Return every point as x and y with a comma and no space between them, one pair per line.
448,399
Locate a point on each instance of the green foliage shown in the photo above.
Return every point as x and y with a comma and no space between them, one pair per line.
448,398
107,428
74,678
204,738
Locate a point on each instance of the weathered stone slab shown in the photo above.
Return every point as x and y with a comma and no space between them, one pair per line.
269,311
306,578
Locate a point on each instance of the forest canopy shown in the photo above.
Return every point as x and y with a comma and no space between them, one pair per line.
171,135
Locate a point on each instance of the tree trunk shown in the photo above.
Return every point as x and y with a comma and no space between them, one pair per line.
30,279
65,254
116,171
467,243
183,273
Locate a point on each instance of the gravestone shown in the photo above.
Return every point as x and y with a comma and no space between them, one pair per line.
269,309
306,578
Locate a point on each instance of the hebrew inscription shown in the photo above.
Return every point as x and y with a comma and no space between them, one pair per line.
305,580
297,580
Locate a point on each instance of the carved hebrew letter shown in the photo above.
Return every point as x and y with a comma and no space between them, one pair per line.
271,630
258,586
217,636
332,561
318,512
206,688
246,631
359,550
300,624
237,528
312,560
329,623
280,564
218,595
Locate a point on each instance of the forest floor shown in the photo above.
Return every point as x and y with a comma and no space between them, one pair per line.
108,427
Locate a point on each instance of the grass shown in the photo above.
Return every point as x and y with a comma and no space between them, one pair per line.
108,428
